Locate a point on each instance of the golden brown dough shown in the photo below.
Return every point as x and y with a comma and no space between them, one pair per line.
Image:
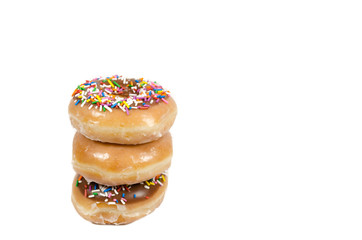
140,126
114,164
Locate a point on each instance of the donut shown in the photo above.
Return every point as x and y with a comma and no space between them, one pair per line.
122,110
122,204
114,164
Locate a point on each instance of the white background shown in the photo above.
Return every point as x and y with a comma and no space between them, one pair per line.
267,141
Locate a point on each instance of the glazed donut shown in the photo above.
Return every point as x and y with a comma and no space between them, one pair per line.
114,164
121,110
116,205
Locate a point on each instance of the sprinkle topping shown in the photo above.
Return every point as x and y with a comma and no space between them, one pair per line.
121,194
107,94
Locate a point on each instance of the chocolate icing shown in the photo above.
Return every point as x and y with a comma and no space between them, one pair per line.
123,91
124,191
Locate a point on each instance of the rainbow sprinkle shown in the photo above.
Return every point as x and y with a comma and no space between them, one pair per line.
117,92
112,195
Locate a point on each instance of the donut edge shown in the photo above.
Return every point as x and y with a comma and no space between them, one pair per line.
118,214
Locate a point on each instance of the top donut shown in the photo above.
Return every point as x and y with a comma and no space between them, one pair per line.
122,110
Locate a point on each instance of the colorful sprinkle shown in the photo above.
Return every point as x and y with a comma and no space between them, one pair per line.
110,83
111,195
108,93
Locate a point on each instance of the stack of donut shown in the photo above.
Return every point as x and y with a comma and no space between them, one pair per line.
122,148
